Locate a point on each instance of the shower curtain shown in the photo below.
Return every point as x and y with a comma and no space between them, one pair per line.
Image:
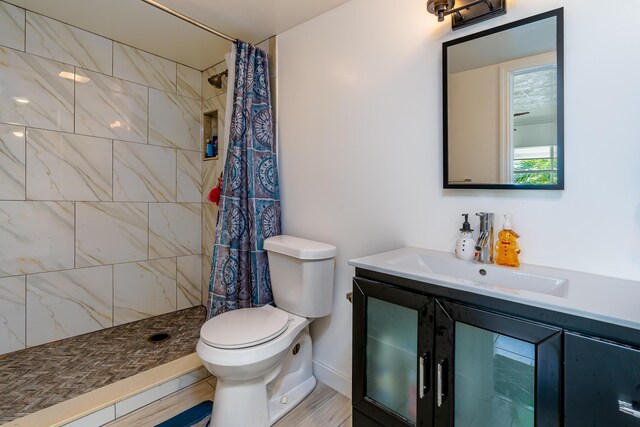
249,210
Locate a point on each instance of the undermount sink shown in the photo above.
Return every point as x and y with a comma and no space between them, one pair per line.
503,279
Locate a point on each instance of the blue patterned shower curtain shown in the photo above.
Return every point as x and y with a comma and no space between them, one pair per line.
249,210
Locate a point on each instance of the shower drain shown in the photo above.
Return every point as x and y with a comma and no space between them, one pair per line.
155,338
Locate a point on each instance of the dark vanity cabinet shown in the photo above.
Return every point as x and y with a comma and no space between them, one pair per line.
495,370
392,351
602,382
422,360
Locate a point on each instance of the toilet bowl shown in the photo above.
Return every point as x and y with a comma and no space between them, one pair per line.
262,357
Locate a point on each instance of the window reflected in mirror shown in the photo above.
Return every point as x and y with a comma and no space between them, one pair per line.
503,106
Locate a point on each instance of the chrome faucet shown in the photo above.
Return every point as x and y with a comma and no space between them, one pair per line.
484,246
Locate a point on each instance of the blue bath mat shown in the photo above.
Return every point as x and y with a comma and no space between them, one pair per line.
197,416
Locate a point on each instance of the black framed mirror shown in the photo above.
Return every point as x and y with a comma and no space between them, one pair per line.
504,106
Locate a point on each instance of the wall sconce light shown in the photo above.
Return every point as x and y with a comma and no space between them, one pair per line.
470,12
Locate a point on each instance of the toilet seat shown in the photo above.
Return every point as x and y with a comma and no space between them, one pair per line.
244,328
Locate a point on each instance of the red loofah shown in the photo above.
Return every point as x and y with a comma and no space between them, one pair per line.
214,195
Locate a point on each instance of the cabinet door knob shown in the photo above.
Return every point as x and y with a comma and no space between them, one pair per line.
628,409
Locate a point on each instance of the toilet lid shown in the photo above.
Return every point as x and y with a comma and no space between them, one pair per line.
245,327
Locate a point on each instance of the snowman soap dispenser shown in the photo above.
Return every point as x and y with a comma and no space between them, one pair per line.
465,246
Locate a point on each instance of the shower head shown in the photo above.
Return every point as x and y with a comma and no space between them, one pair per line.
216,79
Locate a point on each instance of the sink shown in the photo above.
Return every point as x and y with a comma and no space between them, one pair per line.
495,277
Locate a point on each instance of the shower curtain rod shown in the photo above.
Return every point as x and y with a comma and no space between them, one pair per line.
189,20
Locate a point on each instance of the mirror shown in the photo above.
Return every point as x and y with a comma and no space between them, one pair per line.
503,106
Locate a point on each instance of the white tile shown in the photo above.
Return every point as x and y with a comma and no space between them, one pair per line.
216,103
143,173
189,176
61,42
12,165
68,303
108,233
192,377
11,26
12,314
189,281
174,121
141,67
35,237
33,93
189,82
206,274
143,289
141,399
110,107
62,166
174,229
209,217
97,418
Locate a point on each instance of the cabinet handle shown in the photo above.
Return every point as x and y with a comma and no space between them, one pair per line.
421,386
627,408
439,393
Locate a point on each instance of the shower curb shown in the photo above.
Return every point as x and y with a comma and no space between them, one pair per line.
117,393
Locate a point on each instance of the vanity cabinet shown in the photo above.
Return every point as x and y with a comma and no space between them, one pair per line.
495,370
392,348
507,348
420,360
602,382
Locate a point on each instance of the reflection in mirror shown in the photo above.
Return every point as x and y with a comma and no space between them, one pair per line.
503,106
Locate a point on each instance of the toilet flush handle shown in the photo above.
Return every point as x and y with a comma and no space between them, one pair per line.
350,297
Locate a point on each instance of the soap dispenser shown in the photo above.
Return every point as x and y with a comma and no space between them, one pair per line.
507,248
465,247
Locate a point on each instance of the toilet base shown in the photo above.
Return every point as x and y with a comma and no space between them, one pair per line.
265,400
277,409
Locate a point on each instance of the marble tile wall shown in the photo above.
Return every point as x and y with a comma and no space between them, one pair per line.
101,195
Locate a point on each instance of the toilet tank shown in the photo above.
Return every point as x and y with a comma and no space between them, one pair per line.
301,275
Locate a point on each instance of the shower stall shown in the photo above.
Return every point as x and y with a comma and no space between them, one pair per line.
106,232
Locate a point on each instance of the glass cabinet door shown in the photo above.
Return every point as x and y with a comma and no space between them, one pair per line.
493,370
391,344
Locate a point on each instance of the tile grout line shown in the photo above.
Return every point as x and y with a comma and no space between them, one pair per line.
94,266
176,308
75,235
113,295
25,311
75,83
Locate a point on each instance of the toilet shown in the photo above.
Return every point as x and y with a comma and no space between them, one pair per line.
262,356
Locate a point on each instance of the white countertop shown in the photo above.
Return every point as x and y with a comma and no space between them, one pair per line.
592,296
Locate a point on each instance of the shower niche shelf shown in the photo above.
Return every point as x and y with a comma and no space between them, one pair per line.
210,130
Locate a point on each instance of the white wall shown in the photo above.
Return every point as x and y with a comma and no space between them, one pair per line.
474,125
360,154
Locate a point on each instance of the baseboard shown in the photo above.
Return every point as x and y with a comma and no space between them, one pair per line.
332,378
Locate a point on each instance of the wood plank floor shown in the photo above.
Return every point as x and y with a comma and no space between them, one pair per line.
324,407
